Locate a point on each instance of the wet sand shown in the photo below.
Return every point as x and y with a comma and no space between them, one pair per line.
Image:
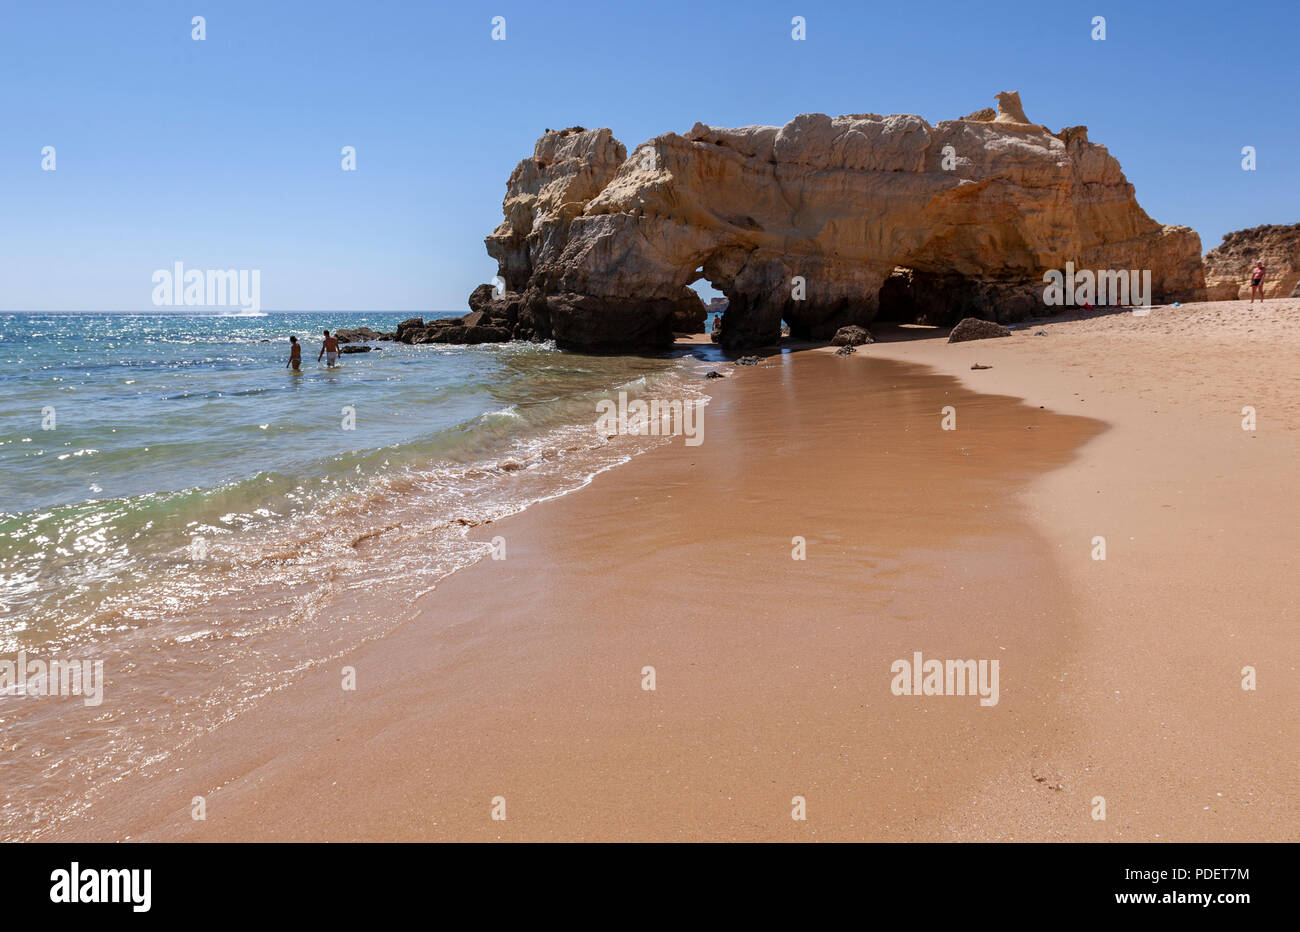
522,678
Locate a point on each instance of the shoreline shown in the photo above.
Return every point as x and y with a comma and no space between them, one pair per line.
527,686
532,679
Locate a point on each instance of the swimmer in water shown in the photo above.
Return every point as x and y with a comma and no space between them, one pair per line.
329,349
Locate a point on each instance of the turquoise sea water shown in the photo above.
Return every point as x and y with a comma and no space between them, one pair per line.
175,502
125,437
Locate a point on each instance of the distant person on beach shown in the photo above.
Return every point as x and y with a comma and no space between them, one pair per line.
330,350
295,354
1257,281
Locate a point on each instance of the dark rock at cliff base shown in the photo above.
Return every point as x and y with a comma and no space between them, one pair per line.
845,350
493,318
408,328
361,335
972,328
485,333
481,297
851,335
453,333
354,348
597,324
690,318
491,321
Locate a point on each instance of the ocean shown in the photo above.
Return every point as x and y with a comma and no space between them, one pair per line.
177,504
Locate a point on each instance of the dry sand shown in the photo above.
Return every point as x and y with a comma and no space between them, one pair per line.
1120,678
1202,524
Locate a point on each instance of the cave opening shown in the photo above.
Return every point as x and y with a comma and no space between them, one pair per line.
901,297
921,296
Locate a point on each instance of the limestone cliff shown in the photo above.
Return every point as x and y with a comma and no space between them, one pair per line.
1228,265
807,222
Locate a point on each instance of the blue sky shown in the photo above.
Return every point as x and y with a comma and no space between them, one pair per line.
225,153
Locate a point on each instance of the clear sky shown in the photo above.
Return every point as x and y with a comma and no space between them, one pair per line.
225,153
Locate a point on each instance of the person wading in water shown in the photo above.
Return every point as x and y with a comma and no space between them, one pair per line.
329,349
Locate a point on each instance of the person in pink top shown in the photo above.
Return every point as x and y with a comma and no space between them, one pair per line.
1257,281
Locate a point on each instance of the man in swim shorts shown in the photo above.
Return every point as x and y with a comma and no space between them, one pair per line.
330,350
295,354
1257,281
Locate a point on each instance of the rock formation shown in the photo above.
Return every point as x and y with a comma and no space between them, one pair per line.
1227,266
973,328
852,335
807,223
478,326
361,335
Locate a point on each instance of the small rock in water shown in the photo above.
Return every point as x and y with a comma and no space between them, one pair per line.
749,360
1040,333
978,366
845,350
715,374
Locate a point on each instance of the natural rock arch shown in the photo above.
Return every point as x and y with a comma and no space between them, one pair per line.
808,221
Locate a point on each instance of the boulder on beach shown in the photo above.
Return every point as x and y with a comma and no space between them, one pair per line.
852,335
972,328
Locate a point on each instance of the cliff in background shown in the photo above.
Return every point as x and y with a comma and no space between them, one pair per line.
1228,265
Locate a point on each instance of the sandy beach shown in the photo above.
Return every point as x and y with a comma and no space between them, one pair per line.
523,679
